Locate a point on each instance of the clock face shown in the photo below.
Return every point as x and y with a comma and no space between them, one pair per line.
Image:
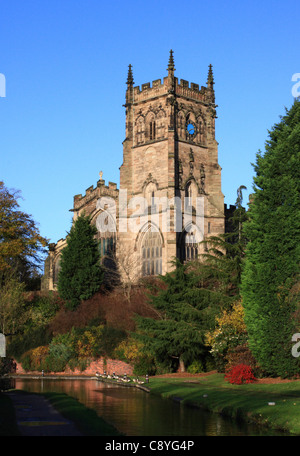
191,129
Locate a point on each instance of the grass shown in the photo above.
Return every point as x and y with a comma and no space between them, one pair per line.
85,419
249,402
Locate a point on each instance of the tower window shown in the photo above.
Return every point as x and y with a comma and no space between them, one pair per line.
152,130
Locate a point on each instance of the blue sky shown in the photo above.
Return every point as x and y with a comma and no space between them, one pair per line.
65,64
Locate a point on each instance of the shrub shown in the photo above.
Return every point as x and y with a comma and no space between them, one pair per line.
240,374
145,365
240,355
195,367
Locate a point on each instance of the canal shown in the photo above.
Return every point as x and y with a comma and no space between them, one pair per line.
137,413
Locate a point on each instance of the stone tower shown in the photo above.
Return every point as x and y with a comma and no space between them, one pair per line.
170,196
170,151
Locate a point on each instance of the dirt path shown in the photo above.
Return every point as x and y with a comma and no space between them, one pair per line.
36,417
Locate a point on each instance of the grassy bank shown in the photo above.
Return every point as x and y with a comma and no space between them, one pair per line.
85,419
249,402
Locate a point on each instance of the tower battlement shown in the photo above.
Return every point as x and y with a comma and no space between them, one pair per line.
92,193
160,87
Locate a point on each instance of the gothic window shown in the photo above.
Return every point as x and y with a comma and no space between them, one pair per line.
107,246
150,126
151,253
160,125
201,130
140,130
181,125
152,130
188,247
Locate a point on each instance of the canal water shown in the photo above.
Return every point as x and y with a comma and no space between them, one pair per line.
137,413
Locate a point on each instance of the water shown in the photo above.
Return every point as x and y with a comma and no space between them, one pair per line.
137,413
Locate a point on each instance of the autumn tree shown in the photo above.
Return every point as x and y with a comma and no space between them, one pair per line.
21,244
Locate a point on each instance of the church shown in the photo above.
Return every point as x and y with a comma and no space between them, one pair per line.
169,198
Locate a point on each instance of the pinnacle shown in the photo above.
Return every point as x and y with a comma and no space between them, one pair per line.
171,66
210,77
130,80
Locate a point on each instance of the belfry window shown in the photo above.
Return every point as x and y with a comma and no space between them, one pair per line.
152,130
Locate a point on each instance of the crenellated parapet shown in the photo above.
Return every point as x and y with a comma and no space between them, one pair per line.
93,193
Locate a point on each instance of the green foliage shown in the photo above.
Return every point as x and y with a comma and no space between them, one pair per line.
81,274
273,252
12,304
195,367
43,308
183,318
32,337
145,365
229,332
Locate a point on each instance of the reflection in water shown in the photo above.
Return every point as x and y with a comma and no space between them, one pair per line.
136,413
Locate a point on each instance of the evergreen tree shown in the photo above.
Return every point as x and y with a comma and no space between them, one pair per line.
273,252
81,273
183,317
222,262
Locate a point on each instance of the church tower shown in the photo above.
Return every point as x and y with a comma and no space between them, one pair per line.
170,154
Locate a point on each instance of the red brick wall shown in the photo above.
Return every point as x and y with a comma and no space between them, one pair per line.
100,365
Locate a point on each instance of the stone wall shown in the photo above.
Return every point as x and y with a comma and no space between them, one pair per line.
100,365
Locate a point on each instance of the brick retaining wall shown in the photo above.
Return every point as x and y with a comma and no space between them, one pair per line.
100,365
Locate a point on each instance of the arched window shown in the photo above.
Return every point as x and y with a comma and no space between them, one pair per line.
189,247
160,125
152,131
150,126
151,253
140,130
107,246
181,125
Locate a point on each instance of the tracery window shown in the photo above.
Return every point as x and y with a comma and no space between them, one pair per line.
151,251
189,247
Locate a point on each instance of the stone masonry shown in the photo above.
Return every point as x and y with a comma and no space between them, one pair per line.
170,161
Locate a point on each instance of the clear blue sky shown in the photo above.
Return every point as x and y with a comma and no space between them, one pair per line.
65,64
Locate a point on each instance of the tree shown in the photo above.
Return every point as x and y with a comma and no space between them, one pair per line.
21,244
273,252
81,273
222,262
183,318
124,267
13,312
